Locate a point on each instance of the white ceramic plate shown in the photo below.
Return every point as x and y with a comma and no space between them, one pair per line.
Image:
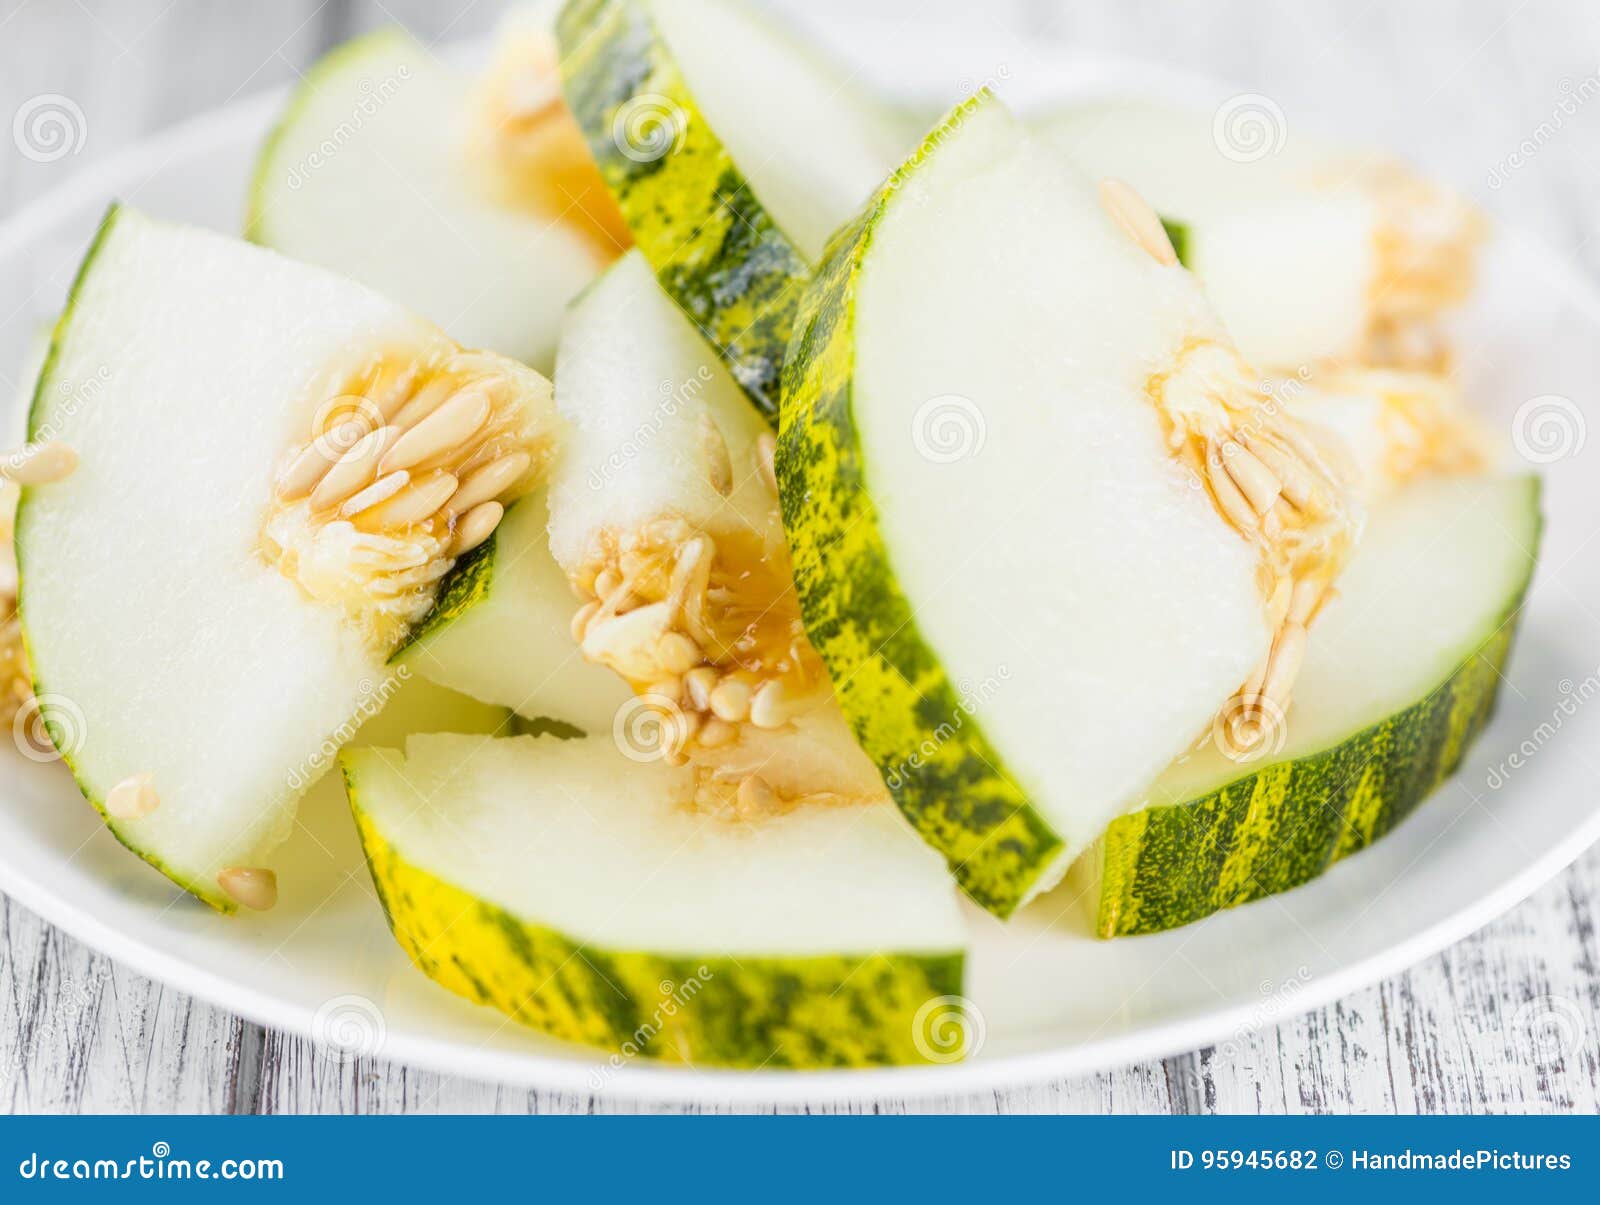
1054,1001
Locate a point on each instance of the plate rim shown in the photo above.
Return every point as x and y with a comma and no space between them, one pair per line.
644,1082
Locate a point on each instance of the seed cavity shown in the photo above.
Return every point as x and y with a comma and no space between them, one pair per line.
1269,480
410,465
252,887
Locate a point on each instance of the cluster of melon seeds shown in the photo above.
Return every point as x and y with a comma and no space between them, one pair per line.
1281,489
706,624
525,150
1426,432
1425,245
409,465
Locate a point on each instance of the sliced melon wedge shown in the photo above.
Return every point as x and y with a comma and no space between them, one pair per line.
588,896
664,514
501,631
1310,252
1401,673
276,468
1014,458
734,151
472,201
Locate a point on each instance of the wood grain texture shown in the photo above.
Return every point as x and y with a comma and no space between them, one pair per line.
1505,1021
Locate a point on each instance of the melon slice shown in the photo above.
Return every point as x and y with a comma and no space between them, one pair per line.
501,631
1025,482
472,201
1398,427
664,515
276,468
590,897
1371,252
1401,674
706,121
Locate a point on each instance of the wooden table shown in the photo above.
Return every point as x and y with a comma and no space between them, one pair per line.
1458,86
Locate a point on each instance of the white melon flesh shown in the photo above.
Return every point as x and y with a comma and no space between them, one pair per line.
381,169
1285,236
513,646
1047,541
162,639
1439,569
773,103
572,835
636,384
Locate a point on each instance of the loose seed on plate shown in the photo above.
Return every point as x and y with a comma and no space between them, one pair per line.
39,463
133,798
254,887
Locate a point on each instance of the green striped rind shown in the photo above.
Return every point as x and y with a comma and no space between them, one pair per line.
943,772
1178,236
716,251
1288,822
466,585
38,428
828,1011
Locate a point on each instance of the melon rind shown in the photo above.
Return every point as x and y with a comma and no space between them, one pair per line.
714,248
789,1011
886,677
1284,824
718,251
